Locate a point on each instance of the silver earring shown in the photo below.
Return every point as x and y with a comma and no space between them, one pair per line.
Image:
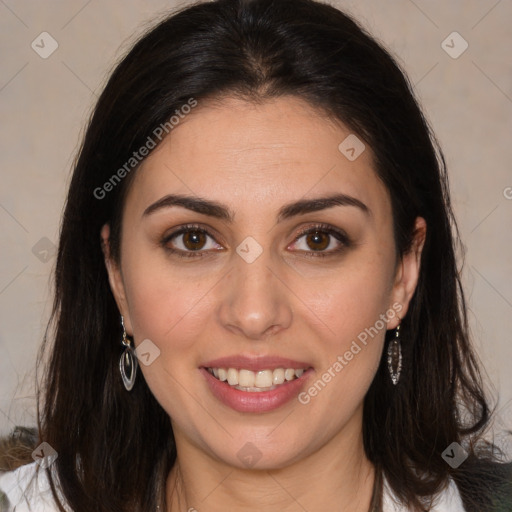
128,363
395,356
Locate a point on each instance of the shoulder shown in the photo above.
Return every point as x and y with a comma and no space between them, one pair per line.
482,485
27,488
448,499
487,485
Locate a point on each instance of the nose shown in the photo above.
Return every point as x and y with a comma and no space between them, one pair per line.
255,302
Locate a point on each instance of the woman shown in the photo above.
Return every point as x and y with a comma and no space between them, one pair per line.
260,209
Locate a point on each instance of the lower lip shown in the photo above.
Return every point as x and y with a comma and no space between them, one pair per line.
255,401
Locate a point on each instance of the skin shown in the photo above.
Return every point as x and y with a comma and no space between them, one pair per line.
284,303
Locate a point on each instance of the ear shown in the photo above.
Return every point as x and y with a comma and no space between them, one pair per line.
115,279
408,271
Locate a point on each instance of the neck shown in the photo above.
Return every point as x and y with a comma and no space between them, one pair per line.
339,473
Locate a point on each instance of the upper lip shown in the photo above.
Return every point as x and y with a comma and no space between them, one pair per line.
255,363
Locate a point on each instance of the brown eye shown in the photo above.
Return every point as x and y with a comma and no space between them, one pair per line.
190,241
318,241
194,240
321,240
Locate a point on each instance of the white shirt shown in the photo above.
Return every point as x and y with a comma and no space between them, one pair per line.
38,497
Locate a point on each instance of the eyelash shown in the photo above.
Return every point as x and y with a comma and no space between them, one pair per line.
324,228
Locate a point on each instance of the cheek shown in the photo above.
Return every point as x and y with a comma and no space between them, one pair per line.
354,296
351,348
354,306
164,307
170,312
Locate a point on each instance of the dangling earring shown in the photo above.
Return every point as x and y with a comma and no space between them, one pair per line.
395,356
128,363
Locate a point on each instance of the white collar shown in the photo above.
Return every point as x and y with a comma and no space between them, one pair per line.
448,500
15,484
27,490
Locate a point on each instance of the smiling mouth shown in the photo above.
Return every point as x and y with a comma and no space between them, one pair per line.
262,380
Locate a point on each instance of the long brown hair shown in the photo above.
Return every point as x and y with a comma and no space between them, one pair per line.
108,439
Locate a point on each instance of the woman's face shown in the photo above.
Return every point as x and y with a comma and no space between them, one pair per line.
254,294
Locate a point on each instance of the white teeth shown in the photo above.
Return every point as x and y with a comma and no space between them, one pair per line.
289,374
262,380
278,376
245,378
232,377
253,389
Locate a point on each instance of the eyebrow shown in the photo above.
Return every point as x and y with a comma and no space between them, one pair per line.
219,211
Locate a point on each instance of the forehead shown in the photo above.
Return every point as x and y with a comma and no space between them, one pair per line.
252,154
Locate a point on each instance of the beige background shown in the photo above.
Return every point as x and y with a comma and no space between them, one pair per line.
44,104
